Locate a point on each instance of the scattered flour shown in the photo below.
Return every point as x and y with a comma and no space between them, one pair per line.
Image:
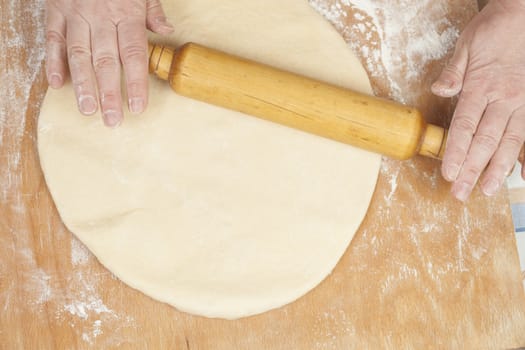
403,39
96,331
80,255
392,173
16,86
83,308
76,301
421,28
39,282
87,304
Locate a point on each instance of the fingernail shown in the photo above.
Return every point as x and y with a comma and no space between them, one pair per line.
112,118
452,172
55,80
136,105
490,187
87,104
462,191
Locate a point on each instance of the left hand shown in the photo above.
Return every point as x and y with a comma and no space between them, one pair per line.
90,39
488,72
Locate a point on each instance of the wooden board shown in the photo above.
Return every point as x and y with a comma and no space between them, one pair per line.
424,271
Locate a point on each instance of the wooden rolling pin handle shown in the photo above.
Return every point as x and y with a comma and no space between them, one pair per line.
368,122
434,142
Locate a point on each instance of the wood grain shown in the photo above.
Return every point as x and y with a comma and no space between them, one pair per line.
368,122
423,271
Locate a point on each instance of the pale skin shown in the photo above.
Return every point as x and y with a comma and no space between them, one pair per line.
90,40
93,41
487,71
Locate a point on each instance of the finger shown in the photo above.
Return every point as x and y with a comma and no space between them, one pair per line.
450,81
521,159
79,56
505,157
106,64
484,144
56,57
469,110
133,47
156,19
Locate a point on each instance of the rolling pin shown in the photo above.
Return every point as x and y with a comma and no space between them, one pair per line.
326,110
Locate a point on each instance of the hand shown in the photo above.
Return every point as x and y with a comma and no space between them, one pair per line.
94,37
488,72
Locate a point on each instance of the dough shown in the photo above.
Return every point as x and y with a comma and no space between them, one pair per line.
214,212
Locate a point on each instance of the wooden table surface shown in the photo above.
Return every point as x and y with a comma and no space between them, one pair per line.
423,271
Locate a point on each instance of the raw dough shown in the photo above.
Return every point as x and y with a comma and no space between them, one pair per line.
216,213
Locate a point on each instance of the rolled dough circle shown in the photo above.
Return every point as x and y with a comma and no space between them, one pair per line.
214,212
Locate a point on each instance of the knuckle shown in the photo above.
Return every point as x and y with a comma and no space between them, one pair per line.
105,62
513,139
464,125
76,51
487,141
134,52
54,37
78,54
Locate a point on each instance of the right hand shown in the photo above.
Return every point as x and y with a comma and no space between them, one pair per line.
93,38
488,126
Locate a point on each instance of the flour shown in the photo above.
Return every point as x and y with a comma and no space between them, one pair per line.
87,310
17,82
34,283
39,282
79,304
420,28
83,308
96,330
85,302
331,326
79,253
392,173
16,86
334,13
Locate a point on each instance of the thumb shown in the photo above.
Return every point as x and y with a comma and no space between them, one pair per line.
450,82
156,19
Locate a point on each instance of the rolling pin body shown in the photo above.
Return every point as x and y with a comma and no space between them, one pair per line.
303,103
